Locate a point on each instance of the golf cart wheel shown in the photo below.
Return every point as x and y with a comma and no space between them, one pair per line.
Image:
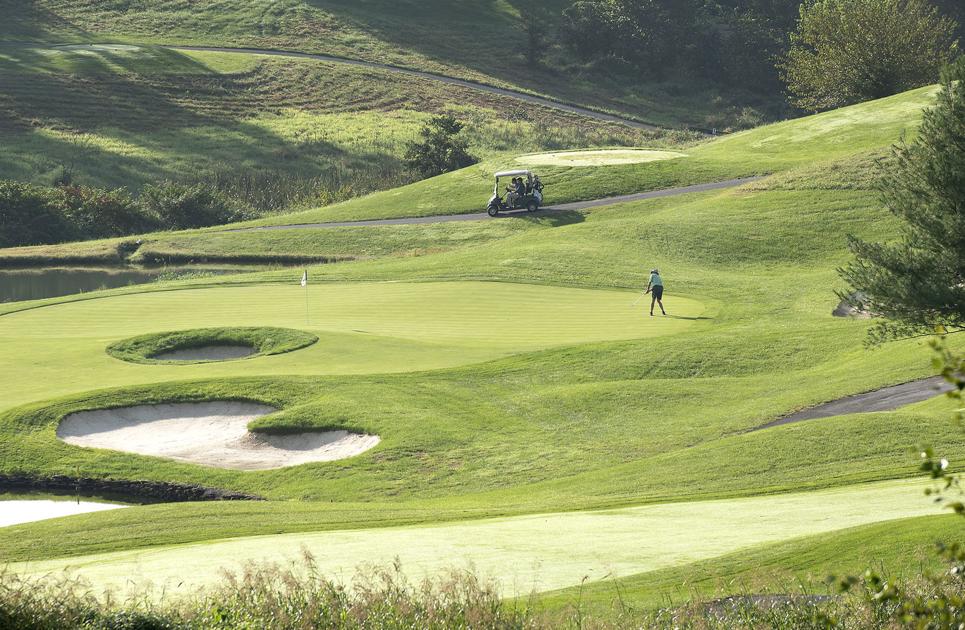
493,211
532,207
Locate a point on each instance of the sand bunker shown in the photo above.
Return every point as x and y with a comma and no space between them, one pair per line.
210,433
16,511
207,353
598,158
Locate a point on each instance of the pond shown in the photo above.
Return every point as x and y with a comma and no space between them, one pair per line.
17,285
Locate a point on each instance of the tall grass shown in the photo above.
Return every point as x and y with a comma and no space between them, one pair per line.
298,597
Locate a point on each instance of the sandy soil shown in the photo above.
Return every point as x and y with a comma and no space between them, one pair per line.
210,433
598,158
207,353
17,511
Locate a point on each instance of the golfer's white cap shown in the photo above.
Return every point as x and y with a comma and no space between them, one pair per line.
654,271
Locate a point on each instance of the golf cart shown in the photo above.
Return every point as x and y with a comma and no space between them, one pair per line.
532,200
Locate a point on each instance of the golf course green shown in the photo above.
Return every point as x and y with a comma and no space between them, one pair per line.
534,421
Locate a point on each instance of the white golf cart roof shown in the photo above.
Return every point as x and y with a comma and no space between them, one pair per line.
513,173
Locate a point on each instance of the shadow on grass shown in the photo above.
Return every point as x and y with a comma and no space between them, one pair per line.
551,218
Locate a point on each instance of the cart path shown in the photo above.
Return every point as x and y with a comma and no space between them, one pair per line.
885,399
482,87
479,216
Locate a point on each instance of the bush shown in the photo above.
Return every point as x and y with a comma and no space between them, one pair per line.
96,213
182,206
29,215
441,149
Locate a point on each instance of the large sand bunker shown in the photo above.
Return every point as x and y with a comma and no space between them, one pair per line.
209,433
607,157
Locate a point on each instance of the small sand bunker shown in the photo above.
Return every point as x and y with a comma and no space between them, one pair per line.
607,157
27,511
207,353
210,433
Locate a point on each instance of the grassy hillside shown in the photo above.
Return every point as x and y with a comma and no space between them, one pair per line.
272,132
830,152
479,41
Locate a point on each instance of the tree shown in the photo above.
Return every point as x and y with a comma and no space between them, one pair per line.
847,51
918,282
441,149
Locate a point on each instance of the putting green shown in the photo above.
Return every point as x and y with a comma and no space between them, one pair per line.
363,328
536,552
608,157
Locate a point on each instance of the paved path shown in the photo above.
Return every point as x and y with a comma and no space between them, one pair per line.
479,216
886,399
522,96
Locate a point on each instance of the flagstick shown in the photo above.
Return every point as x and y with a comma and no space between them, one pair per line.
305,285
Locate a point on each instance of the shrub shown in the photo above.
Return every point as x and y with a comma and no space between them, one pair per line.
182,206
97,213
29,215
441,149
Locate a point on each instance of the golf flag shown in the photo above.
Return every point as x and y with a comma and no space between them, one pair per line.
305,278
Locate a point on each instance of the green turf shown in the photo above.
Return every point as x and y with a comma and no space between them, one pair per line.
381,327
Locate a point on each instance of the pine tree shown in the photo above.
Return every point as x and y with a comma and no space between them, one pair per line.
918,282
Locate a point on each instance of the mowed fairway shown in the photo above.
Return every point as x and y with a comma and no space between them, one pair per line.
363,328
527,553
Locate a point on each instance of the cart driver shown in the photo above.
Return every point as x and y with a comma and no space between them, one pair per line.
511,192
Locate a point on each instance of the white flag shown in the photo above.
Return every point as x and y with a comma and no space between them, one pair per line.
305,278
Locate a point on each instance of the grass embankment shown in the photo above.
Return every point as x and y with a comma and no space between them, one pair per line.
438,35
262,341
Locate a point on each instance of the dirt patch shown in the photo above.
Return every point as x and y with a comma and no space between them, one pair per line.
608,157
207,353
210,433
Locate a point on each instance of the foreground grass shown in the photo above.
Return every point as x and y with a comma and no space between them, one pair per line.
516,550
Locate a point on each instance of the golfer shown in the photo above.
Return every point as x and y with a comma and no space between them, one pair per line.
655,286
